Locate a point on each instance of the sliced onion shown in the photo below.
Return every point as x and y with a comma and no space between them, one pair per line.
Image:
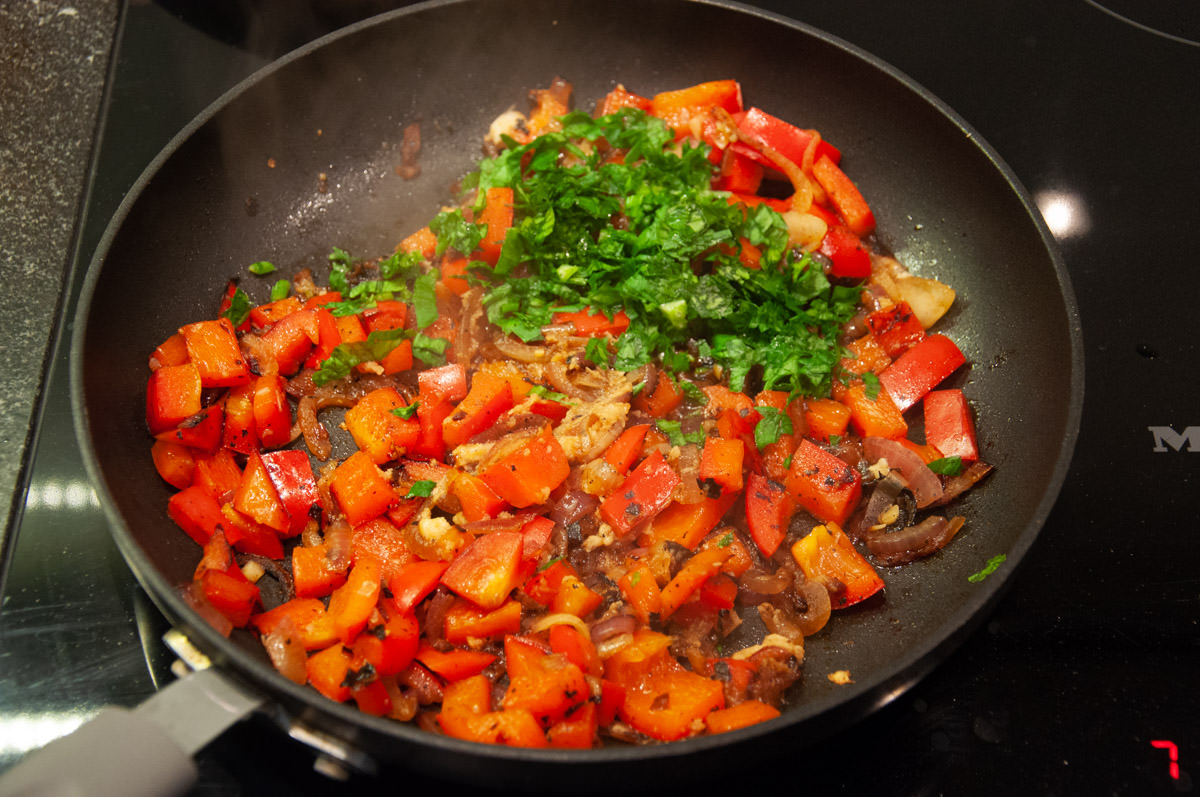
914,542
561,618
925,484
522,352
957,485
617,625
818,607
763,583
573,505
340,541
286,653
611,645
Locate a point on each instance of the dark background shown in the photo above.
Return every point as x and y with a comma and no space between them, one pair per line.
1094,652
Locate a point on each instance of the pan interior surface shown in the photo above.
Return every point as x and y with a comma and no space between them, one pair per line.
302,157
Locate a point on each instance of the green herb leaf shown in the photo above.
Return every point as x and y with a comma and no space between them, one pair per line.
726,540
262,267
871,383
675,434
345,356
425,299
421,488
406,412
239,308
947,466
340,266
431,351
992,565
453,231
280,290
773,425
541,391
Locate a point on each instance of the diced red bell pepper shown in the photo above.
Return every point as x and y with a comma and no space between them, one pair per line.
497,216
687,524
895,328
328,671
547,686
689,698
213,348
196,512
949,426
719,592
845,196
218,474
390,648
575,597
703,565
446,381
432,411
620,98
478,500
826,555
721,462
485,572
272,413
873,417
312,574
454,665
756,125
465,621
351,604
201,431
825,418
423,241
414,582
240,434
361,490
624,451
822,483
920,369
644,493
678,107
543,585
231,594
172,351
257,499
641,591
578,648
489,397
525,474
291,339
769,509
250,536
174,463
172,396
307,616
665,397
743,715
594,324
577,730
535,534
329,336
291,474
377,430
264,315
382,539
739,173
848,258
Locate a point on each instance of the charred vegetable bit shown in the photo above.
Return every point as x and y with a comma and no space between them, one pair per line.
616,396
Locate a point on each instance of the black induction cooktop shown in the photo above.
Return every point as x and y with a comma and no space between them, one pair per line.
1083,680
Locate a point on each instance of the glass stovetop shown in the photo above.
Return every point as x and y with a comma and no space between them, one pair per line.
1087,668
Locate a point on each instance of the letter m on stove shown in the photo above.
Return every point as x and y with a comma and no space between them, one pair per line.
1166,438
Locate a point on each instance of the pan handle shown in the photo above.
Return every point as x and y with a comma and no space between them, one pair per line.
143,752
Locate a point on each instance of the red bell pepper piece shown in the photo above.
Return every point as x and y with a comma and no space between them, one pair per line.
739,173
497,216
329,336
687,524
257,499
390,648
196,512
489,397
534,535
845,196
825,418
895,328
272,413
721,462
769,509
291,474
645,493
351,604
172,351
848,258
291,338
757,125
822,483
590,323
620,98
312,575
526,473
465,621
949,426
485,572
719,592
250,536
873,417
231,594
826,555
213,348
172,396
218,474
201,431
327,672
361,490
624,451
264,315
664,398
174,463
423,241
920,369
413,583
743,715
454,665
678,107
240,434
478,501
641,592
377,430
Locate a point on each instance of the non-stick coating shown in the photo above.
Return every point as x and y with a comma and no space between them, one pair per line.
244,183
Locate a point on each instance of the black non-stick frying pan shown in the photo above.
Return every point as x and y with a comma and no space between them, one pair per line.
302,157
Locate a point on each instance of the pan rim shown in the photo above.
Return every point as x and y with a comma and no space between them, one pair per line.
858,700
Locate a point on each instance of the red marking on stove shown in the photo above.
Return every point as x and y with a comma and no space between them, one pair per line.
1172,754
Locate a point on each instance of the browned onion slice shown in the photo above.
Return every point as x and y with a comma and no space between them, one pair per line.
286,653
925,484
913,542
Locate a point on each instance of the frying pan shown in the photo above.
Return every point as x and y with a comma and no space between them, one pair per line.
301,157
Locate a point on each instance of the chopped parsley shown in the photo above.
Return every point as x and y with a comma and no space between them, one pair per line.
280,290
992,565
774,424
947,466
675,434
262,268
406,412
872,385
239,308
345,356
421,488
